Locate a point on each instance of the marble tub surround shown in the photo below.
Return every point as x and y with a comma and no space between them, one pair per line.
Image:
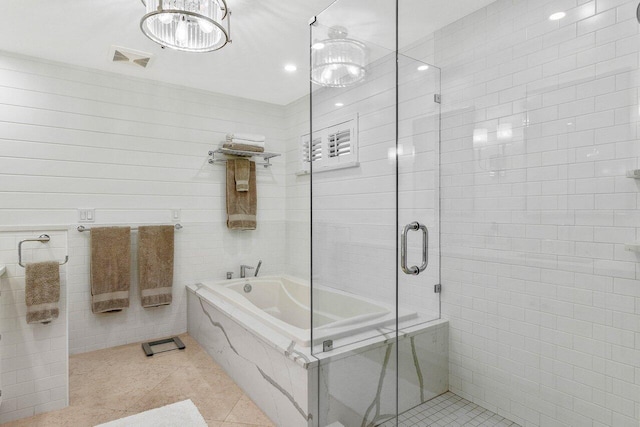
279,384
282,377
359,387
109,384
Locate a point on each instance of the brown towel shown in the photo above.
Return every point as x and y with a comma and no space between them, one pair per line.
110,268
243,170
243,147
42,291
155,264
241,206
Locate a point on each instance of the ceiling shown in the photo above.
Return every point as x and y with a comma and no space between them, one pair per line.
266,35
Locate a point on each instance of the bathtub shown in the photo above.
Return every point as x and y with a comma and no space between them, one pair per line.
283,303
258,330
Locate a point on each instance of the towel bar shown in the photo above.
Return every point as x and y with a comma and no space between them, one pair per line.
82,228
43,238
264,155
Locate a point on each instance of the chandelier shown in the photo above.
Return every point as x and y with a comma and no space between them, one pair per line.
188,25
338,61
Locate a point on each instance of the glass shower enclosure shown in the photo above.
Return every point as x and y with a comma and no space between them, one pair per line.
373,156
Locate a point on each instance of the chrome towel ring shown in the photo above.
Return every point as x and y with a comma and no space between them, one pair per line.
43,238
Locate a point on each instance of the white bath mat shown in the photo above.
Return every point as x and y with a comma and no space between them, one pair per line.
182,413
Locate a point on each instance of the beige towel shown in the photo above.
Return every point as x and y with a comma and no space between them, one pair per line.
241,206
155,264
243,170
42,291
110,268
243,147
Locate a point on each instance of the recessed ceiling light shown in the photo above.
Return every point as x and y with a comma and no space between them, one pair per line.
423,68
339,104
317,46
557,16
290,68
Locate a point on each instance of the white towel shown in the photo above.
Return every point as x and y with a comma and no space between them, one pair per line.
244,138
246,142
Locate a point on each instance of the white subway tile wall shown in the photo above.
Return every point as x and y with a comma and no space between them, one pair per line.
539,126
133,150
354,210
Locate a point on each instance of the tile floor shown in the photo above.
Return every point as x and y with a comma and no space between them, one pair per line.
450,410
117,382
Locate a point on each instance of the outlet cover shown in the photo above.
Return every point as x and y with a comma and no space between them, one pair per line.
86,215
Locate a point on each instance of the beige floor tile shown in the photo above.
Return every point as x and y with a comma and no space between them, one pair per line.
117,382
69,417
228,424
214,400
116,386
213,423
247,412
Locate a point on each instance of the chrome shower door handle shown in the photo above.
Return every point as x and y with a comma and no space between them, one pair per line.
414,270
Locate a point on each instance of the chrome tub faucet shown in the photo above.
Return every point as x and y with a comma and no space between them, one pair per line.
244,268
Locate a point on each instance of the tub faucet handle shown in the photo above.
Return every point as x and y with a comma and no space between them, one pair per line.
243,270
258,268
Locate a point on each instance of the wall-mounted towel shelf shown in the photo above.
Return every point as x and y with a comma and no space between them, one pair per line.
82,228
43,238
266,156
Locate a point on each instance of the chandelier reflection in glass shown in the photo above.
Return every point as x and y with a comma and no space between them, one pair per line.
188,25
338,61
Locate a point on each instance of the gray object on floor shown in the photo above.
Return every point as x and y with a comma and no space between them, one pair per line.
169,344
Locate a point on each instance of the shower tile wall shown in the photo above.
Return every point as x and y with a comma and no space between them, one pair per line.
133,150
540,125
355,208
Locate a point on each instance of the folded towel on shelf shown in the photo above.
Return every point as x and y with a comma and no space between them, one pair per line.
155,264
241,205
243,147
242,173
249,137
110,268
42,291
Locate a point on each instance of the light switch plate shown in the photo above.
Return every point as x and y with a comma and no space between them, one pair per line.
86,215
175,215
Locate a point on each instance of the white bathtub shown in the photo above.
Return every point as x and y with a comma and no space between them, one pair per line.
283,303
262,339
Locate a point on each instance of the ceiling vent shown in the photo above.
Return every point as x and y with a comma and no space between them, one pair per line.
125,55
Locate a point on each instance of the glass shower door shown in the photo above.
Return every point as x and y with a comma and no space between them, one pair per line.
354,211
372,153
422,366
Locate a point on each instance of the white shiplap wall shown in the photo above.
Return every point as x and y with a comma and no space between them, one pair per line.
298,259
133,150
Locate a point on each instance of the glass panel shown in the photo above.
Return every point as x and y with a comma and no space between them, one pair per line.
354,211
422,358
354,207
418,186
